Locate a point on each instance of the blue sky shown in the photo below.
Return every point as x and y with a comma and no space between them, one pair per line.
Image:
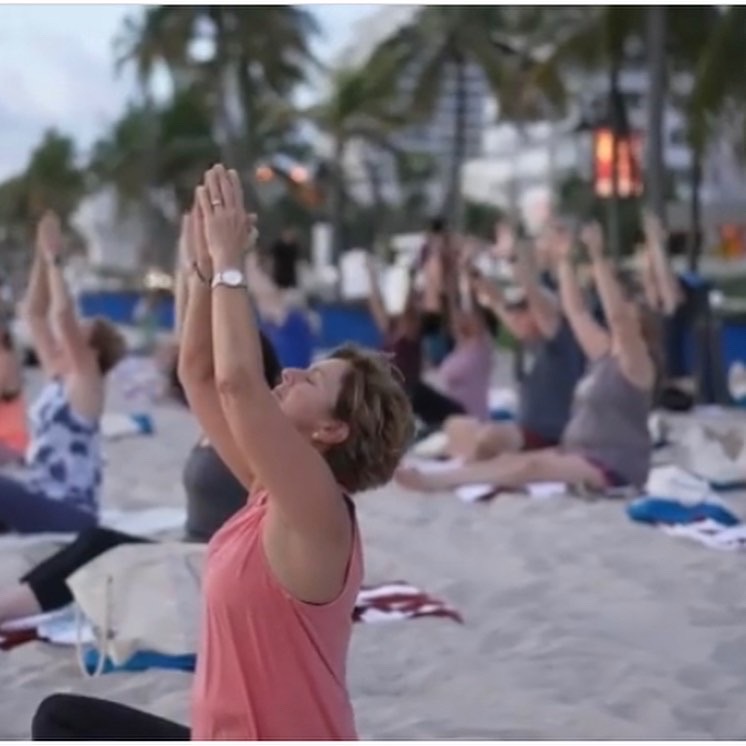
56,69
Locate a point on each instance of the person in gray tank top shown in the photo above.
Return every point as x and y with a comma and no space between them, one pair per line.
556,362
606,444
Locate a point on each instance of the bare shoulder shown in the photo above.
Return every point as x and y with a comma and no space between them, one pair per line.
312,567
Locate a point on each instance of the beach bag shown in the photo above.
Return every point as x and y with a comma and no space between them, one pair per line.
139,597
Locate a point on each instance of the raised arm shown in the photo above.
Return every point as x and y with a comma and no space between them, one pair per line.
181,269
622,315
69,333
487,293
542,304
195,365
305,499
375,299
669,290
593,339
36,303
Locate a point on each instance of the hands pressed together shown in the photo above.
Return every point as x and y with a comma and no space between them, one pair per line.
49,237
217,233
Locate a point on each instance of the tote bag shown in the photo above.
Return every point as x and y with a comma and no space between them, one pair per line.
140,597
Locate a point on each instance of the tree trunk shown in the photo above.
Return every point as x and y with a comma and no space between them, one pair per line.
656,168
379,203
695,211
615,116
453,202
337,200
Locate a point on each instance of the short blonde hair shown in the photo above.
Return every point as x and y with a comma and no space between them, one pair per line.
107,342
374,405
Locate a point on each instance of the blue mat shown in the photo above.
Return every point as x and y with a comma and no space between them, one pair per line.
143,660
654,510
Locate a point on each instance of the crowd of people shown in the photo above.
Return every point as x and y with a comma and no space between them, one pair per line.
285,554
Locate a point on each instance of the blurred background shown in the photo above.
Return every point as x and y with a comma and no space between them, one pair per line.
353,125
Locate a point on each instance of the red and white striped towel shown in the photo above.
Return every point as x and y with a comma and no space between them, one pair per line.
392,602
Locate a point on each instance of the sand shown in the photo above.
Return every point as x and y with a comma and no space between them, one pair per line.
578,623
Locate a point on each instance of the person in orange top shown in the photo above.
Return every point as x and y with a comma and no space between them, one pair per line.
13,428
283,573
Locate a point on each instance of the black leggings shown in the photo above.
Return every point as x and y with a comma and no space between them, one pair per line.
432,407
70,717
48,579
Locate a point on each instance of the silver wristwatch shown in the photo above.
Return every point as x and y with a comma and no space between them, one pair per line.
232,278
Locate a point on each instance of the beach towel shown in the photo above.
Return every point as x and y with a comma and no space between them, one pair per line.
391,602
69,627
662,512
712,534
473,493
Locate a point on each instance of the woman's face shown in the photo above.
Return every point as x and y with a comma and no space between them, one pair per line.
308,397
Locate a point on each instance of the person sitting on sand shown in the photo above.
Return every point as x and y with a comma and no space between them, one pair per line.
402,339
465,373
13,428
59,489
556,366
283,574
213,493
606,444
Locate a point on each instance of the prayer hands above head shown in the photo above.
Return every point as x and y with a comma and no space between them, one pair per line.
592,237
49,236
505,240
653,227
484,289
195,243
560,242
228,230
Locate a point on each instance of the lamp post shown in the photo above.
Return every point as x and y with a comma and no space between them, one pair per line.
616,162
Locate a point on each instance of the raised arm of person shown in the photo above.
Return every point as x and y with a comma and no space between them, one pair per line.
432,272
195,365
375,299
68,332
622,315
647,279
542,305
305,501
590,335
669,290
181,268
518,323
36,302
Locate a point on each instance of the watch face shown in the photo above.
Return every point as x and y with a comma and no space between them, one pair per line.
232,277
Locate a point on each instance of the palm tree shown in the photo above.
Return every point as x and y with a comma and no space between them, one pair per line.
716,104
438,46
245,60
357,108
588,40
153,156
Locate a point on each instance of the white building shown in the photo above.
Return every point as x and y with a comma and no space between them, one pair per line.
520,169
432,138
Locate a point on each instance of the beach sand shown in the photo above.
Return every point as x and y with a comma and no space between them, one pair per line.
578,623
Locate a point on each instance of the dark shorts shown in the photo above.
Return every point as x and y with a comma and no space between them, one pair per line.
533,441
611,478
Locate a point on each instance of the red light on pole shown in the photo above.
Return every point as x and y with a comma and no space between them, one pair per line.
629,153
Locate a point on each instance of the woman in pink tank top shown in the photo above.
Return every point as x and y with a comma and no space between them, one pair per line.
282,575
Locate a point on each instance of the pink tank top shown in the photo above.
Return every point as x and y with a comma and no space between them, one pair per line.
269,667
